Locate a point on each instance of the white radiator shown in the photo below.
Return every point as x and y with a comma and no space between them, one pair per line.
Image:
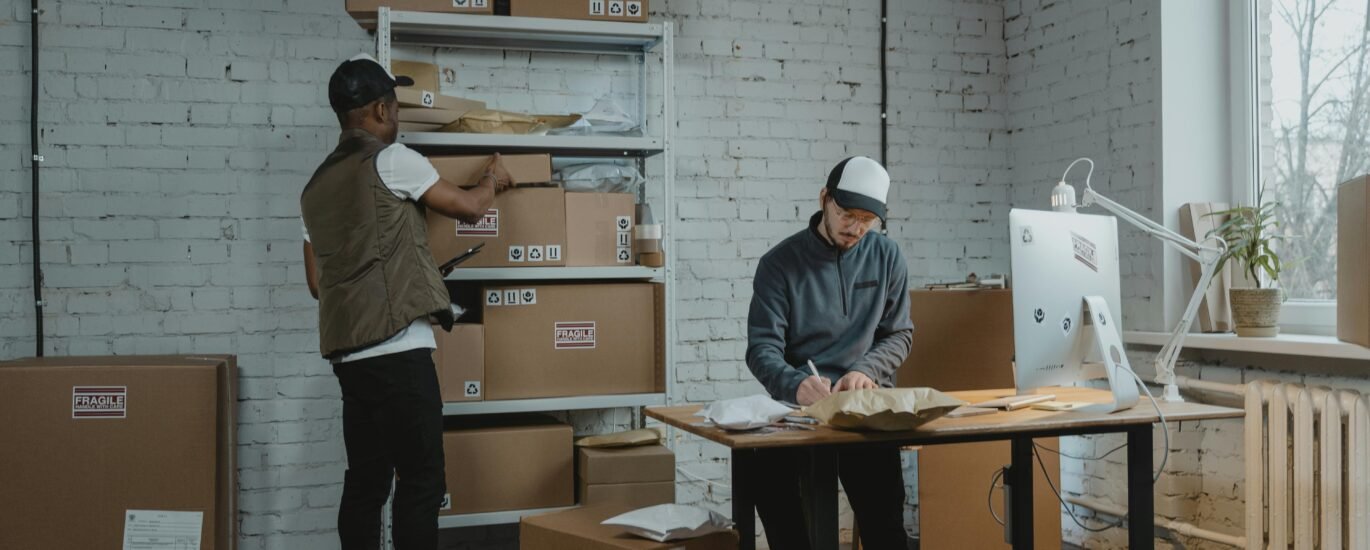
1307,467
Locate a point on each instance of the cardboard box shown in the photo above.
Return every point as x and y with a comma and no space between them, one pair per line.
414,97
556,340
440,117
962,340
460,360
597,10
636,495
425,75
1353,261
625,464
86,441
419,127
364,11
525,226
508,463
580,529
599,229
952,480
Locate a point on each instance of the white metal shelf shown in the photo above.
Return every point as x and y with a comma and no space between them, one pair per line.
461,408
494,518
1285,344
554,273
563,145
523,33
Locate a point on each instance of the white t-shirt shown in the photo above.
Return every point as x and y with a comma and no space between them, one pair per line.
408,175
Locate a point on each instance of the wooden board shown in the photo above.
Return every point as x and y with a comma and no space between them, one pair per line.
1215,315
1000,425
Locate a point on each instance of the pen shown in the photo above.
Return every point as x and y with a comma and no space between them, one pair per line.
813,370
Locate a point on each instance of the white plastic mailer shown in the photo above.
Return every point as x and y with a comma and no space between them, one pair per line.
665,522
745,413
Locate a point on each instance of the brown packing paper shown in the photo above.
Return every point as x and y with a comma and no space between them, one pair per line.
411,96
441,117
418,127
883,409
630,438
487,121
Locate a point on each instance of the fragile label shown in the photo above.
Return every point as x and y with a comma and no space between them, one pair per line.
597,7
472,388
535,253
99,401
488,226
1085,251
516,254
162,530
573,335
553,252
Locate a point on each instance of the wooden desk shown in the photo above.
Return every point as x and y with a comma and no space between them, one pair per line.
1019,427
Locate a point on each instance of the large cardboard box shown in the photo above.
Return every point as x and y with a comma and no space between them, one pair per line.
460,360
962,340
952,480
364,11
86,442
508,463
414,97
637,495
580,529
425,75
1353,261
555,340
598,10
625,464
599,229
525,227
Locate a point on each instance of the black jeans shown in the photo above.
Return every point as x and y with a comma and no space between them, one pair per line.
392,424
872,478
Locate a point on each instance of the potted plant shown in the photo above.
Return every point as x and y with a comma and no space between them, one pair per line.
1249,232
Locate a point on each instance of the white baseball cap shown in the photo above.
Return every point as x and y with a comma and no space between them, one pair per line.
860,183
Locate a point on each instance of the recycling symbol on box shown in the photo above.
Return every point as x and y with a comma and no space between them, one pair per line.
473,388
616,8
535,253
623,256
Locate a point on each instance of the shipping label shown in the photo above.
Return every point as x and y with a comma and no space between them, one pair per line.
99,401
488,226
573,335
162,530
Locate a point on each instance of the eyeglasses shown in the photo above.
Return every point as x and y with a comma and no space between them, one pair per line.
849,217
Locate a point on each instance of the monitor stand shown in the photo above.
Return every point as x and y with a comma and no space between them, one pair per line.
1110,347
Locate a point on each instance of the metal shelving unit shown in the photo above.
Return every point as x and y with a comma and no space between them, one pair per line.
638,41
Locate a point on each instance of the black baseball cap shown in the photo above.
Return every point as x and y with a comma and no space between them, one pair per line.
361,80
860,183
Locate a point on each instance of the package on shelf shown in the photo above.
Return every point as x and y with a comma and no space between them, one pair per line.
581,529
489,121
507,463
525,227
91,435
437,117
638,476
425,75
599,229
572,339
419,127
364,11
460,361
413,97
1353,261
598,10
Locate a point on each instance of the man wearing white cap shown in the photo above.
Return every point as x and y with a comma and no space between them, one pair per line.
837,295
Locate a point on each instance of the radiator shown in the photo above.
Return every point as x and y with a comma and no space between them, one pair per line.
1307,467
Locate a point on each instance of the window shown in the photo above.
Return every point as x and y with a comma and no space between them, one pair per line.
1312,84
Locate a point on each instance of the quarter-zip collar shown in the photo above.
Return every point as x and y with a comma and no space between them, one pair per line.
827,251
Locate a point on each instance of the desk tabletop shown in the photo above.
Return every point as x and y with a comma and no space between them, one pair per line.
999,425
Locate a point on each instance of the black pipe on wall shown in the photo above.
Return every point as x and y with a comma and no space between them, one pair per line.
37,161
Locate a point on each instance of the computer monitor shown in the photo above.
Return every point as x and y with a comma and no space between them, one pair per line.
1066,303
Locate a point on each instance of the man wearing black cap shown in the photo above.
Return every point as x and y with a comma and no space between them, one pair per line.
367,261
837,295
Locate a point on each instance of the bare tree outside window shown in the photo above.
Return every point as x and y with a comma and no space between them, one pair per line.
1314,87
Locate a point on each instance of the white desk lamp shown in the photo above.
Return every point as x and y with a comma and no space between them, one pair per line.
1063,200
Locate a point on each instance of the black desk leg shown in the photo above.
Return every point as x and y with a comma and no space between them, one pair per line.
1018,483
1141,512
744,502
822,502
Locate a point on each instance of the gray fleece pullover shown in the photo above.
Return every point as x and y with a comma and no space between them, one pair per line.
845,310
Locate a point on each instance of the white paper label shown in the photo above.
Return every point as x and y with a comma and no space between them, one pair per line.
461,3
427,99
573,335
623,223
634,8
625,238
597,7
553,252
446,501
516,254
528,296
472,388
511,297
162,530
99,401
494,298
488,226
535,253
616,8
624,255
479,4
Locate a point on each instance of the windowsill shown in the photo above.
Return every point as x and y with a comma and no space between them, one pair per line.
1284,344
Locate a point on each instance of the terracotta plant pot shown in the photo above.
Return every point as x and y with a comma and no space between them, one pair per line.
1256,311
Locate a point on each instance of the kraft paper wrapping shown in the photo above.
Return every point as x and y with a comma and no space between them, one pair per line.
883,409
630,438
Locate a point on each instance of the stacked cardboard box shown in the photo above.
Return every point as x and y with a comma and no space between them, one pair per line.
597,10
524,226
580,529
103,448
460,361
632,476
508,463
364,11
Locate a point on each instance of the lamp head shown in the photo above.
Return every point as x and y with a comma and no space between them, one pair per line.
1063,197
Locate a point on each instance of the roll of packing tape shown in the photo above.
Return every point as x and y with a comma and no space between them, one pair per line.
652,259
649,231
647,245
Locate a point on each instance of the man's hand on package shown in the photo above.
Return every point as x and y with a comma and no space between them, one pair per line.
503,180
855,381
812,389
